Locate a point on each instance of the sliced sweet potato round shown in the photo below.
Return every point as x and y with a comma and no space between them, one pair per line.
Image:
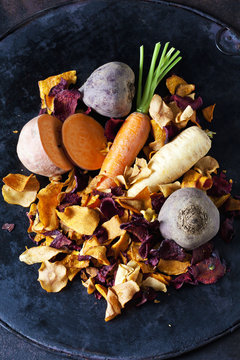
83,139
40,149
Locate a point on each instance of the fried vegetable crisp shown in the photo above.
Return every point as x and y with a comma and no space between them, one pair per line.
105,239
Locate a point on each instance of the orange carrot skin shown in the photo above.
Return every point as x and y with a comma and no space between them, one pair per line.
127,144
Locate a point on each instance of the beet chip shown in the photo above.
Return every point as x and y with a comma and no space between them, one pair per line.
59,87
226,229
68,200
157,201
170,250
112,127
202,252
183,102
8,227
60,241
208,271
110,208
171,132
182,279
65,103
221,186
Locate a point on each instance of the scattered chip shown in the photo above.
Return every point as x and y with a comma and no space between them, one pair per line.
39,254
52,276
83,220
208,112
27,188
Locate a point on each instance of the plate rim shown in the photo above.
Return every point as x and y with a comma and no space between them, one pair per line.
65,352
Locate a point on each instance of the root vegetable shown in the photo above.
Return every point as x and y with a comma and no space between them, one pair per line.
174,159
39,147
83,139
189,217
135,130
109,90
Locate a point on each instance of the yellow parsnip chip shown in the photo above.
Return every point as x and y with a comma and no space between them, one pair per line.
113,305
46,85
206,166
149,214
39,254
173,267
154,283
48,201
83,220
98,253
159,111
208,112
52,276
90,285
29,187
125,291
127,272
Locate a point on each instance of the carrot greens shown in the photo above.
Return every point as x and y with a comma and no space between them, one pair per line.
167,61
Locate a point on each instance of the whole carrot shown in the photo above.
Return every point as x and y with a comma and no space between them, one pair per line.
135,130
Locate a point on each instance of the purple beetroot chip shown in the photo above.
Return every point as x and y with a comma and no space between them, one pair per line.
60,241
202,252
226,229
157,201
221,186
183,102
112,127
8,227
58,88
170,250
110,208
65,103
208,271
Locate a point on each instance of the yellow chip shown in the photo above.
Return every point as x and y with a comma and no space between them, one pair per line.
168,189
160,111
219,200
48,201
173,82
173,267
102,290
98,253
52,276
46,85
83,220
121,244
17,182
125,291
24,197
39,254
113,305
185,89
206,166
155,284
113,227
208,112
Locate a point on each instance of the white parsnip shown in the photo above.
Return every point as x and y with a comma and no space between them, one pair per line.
174,159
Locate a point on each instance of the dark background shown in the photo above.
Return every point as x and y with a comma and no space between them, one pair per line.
13,347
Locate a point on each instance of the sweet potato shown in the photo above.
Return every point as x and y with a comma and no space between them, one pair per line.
39,147
109,90
84,140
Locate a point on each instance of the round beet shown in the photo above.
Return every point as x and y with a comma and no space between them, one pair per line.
189,217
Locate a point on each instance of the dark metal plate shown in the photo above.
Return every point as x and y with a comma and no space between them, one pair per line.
82,36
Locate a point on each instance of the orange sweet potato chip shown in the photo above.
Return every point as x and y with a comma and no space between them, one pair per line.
208,112
121,244
102,290
173,82
232,204
83,220
185,89
52,276
113,227
20,189
219,200
173,267
48,201
165,279
46,85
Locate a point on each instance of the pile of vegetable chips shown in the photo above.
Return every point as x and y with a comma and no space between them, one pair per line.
107,240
